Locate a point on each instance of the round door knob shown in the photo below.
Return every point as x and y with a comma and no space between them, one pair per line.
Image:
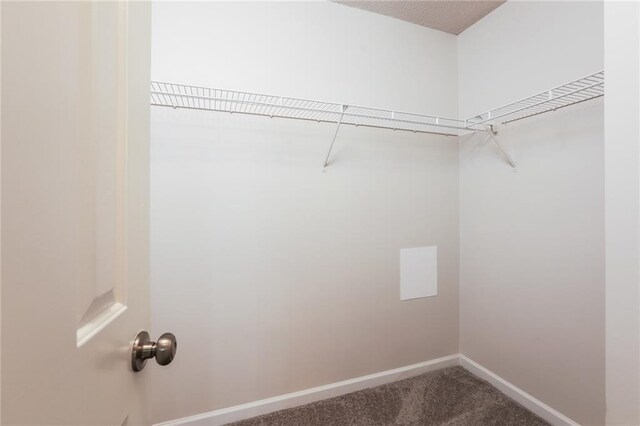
164,350
166,347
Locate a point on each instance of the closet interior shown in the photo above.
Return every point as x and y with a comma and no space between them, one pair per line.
342,199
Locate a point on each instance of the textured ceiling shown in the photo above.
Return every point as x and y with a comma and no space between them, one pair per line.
451,16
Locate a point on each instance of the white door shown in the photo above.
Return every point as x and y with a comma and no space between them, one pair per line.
75,200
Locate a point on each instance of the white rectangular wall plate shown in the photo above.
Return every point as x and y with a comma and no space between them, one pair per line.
418,272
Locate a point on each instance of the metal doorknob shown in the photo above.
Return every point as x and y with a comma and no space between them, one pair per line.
163,350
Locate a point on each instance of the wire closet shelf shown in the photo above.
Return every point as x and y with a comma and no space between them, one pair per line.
581,90
210,99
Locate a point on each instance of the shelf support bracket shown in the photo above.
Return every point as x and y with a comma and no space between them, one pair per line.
335,135
492,135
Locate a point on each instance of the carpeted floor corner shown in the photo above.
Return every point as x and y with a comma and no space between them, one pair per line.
451,396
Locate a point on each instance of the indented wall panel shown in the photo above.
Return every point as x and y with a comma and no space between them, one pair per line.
418,272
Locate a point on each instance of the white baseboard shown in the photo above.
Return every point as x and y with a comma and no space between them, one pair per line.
265,406
269,405
532,404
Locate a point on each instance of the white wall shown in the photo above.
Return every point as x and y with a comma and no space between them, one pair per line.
525,47
532,242
276,277
622,114
314,49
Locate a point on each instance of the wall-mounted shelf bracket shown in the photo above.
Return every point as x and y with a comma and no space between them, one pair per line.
335,135
492,131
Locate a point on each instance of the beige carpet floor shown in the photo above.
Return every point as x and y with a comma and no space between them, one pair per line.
451,396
